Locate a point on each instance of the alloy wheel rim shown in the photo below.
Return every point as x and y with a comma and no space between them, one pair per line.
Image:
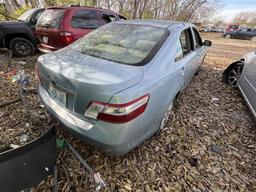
22,48
227,36
166,116
234,75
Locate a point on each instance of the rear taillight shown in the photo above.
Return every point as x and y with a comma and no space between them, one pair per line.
67,37
117,113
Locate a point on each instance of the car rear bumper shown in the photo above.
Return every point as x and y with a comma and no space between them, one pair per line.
46,48
115,139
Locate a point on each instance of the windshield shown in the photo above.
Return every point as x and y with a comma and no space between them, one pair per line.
27,15
51,19
122,43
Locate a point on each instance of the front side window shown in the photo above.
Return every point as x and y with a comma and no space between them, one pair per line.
27,15
122,43
85,19
38,15
121,17
243,30
198,40
186,41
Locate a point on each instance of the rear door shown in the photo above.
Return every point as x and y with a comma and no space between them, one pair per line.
48,27
241,34
84,21
186,57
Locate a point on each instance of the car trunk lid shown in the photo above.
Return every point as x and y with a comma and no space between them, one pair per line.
84,78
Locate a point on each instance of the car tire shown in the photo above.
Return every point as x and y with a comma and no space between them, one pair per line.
253,39
233,73
165,118
21,47
227,36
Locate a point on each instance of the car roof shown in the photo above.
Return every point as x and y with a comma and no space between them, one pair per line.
155,22
82,7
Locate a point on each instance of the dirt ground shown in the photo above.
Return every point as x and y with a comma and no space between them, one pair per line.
209,143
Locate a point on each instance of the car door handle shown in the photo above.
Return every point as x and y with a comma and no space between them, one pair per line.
183,69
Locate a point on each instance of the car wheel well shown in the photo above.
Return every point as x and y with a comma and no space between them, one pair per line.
230,67
10,37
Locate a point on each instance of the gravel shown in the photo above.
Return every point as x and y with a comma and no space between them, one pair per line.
209,143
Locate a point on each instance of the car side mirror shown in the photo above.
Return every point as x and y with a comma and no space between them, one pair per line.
207,43
33,21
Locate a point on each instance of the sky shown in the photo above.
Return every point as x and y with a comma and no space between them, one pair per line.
232,7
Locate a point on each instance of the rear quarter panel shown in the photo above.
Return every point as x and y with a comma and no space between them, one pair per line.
160,81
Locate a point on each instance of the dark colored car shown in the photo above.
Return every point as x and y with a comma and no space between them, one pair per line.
18,36
232,28
58,27
245,33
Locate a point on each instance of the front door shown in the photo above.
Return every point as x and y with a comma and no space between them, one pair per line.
186,58
199,49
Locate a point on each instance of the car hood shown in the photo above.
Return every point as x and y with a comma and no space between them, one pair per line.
11,23
85,77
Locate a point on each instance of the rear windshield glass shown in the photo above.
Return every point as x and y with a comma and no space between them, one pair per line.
51,19
122,43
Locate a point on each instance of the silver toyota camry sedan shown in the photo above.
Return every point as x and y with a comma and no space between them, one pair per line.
115,87
242,74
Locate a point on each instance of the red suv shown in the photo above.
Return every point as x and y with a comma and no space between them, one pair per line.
57,27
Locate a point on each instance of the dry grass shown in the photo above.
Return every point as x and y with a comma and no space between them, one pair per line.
225,51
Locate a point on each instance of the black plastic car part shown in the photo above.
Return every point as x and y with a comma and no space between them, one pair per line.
26,166
233,73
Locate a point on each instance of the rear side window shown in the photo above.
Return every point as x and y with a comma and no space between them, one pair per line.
51,19
198,40
243,30
85,19
186,41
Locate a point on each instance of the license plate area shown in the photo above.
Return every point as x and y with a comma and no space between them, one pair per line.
57,95
45,39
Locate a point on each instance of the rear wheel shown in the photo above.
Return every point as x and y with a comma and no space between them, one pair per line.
166,116
253,39
227,36
234,73
21,47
